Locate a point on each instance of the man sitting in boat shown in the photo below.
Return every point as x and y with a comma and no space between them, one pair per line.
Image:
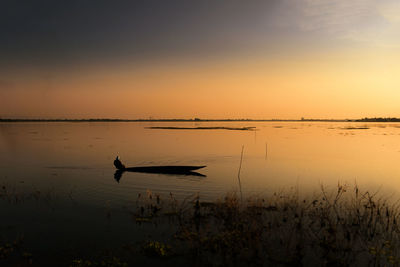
118,164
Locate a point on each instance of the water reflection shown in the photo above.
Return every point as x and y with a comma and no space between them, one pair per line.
71,156
118,173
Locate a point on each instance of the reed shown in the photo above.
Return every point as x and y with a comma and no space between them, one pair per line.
343,226
240,168
333,227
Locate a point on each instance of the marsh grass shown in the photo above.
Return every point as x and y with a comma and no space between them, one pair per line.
13,253
340,227
13,195
343,226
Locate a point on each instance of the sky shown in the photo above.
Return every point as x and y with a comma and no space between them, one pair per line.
271,59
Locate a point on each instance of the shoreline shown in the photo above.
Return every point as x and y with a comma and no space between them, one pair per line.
197,120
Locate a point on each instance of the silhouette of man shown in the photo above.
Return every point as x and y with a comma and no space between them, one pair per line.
118,164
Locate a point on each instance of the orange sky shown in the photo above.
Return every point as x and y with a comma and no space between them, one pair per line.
346,84
317,69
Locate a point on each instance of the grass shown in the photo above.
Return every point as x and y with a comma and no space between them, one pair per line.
14,252
12,195
345,227
340,227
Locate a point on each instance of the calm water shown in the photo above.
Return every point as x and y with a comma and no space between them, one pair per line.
77,158
89,211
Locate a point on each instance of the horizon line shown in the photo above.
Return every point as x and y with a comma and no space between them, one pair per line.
366,119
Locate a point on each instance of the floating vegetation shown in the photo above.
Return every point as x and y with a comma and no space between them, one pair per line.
203,128
156,249
355,128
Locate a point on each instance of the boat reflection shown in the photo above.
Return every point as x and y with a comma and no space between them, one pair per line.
118,173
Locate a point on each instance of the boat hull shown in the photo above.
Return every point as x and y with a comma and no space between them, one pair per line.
164,169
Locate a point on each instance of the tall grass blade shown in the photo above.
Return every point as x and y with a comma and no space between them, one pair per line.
240,167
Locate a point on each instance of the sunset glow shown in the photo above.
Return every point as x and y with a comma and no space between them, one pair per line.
269,59
199,133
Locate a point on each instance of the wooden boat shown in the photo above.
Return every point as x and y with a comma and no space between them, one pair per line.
169,170
164,169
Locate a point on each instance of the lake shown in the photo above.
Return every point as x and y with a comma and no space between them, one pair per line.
58,191
77,158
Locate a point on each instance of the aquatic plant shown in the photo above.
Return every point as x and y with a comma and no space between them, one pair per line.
14,195
13,253
156,249
334,227
341,226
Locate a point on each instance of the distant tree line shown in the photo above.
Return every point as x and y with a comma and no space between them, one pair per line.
379,120
196,120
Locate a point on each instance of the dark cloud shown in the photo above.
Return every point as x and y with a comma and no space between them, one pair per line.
63,31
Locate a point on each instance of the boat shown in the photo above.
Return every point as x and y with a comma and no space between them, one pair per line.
169,170
164,169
